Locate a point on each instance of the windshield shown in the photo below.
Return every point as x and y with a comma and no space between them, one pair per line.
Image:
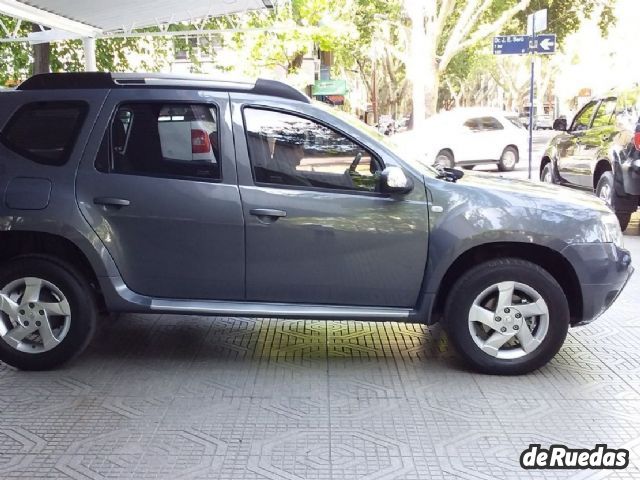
410,156
515,121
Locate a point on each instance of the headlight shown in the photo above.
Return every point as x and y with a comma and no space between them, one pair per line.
611,230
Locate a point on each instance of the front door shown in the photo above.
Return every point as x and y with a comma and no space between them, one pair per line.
161,193
594,140
317,229
570,146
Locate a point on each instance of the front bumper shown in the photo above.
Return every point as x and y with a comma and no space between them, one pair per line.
603,270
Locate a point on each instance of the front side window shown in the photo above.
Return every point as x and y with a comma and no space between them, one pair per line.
605,114
582,121
167,140
45,132
290,150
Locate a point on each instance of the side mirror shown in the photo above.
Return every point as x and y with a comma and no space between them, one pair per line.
560,124
394,180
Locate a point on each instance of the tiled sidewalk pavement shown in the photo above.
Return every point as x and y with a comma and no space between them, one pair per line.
231,398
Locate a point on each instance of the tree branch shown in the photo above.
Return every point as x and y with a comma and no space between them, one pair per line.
445,10
481,33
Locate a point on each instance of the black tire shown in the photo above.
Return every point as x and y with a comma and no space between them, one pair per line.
547,174
82,307
605,190
624,219
445,158
505,165
483,276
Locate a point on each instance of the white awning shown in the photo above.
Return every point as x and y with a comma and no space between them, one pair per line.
88,18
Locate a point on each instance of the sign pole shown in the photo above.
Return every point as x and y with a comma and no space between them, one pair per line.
531,85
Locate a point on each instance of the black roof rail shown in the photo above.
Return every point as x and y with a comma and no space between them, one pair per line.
57,81
102,80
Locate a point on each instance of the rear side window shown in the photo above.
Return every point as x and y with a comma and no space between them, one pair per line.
483,124
166,140
45,132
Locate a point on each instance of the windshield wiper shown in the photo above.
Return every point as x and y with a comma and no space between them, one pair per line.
448,174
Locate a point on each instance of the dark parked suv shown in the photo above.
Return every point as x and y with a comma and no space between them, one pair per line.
600,152
159,194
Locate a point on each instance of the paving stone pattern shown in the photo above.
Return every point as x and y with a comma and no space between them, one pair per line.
168,397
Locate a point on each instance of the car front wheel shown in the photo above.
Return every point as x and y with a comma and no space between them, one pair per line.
547,174
47,312
604,190
445,159
507,317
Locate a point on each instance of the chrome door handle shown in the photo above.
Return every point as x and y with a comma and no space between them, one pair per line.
111,201
268,212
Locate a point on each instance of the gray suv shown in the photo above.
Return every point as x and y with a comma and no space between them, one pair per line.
164,194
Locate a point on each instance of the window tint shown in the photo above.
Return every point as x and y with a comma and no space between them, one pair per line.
583,119
172,140
45,132
605,114
290,150
483,124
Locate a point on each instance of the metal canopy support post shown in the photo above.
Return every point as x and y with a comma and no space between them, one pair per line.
531,86
89,54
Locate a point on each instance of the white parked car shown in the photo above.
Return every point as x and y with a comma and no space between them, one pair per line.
469,136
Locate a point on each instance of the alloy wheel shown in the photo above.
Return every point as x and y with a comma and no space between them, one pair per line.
605,193
34,315
509,159
508,320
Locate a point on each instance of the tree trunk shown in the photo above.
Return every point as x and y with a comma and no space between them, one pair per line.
41,52
417,61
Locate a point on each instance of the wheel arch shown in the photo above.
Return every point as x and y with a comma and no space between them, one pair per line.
446,149
546,159
26,242
549,259
602,166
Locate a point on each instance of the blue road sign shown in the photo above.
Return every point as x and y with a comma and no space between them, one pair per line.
545,43
511,44
522,44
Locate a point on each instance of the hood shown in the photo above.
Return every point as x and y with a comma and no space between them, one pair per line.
543,195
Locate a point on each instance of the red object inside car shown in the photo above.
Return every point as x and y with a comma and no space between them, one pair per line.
200,142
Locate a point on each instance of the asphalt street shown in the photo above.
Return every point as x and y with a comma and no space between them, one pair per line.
540,141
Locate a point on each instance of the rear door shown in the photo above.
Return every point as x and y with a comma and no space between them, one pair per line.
158,185
481,139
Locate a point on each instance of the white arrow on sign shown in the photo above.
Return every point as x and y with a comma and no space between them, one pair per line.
547,44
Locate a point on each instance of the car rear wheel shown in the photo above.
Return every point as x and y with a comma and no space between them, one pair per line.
47,313
445,158
547,174
604,190
508,159
507,317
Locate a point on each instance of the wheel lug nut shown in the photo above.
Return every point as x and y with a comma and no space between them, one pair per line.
38,323
26,323
21,312
498,319
31,305
506,310
503,329
518,315
41,312
516,327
